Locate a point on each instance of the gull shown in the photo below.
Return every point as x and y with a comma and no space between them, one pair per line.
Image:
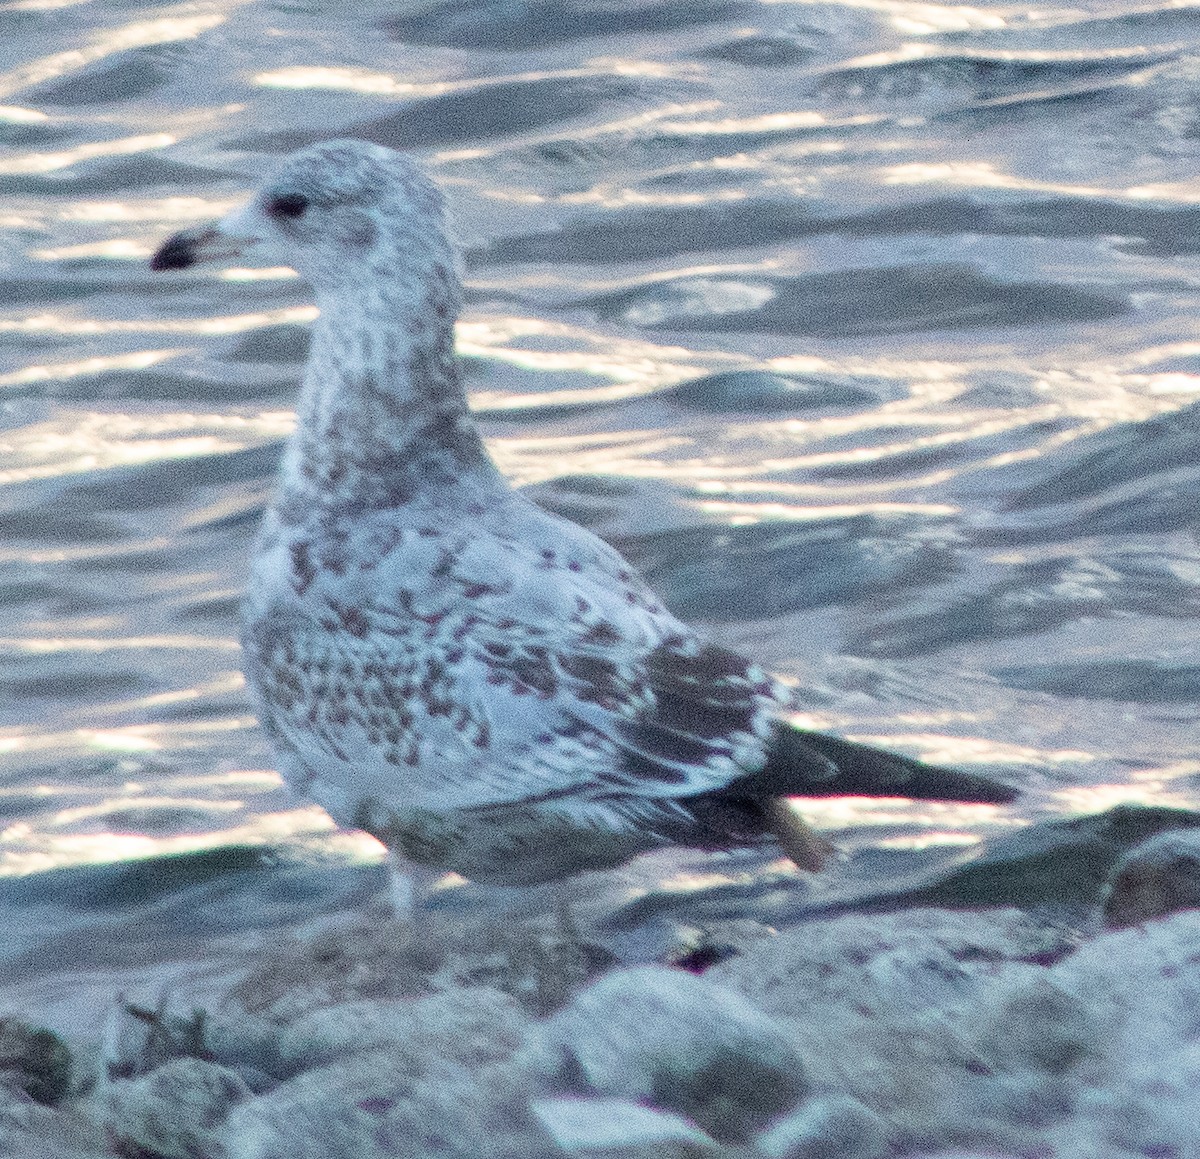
485,687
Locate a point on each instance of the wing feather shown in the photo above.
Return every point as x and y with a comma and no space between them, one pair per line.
690,718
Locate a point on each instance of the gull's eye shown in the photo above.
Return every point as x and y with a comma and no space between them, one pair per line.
287,205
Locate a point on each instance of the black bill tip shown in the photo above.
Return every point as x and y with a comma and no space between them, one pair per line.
180,250
176,253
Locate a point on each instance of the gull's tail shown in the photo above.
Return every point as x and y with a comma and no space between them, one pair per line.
814,764
755,807
810,764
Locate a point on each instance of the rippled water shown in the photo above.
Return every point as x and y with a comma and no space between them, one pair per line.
866,328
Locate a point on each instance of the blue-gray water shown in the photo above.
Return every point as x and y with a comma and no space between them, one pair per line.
867,329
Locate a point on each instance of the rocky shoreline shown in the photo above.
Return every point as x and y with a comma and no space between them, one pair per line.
920,1031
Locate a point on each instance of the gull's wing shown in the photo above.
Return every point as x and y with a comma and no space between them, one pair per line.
471,666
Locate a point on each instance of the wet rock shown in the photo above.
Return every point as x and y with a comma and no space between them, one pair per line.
1158,877
677,1041
836,1125
748,391
1058,865
34,1060
174,1112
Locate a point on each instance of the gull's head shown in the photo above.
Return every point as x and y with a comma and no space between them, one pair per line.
338,212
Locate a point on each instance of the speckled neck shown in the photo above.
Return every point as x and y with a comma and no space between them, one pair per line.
382,418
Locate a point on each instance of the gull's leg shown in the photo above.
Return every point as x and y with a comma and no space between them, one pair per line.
566,927
549,957
411,886
407,887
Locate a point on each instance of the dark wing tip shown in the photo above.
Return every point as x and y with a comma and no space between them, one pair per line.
931,783
804,763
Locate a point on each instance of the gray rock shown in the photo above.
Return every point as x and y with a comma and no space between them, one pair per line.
30,1130
1039,1026
906,1013
371,956
1140,986
675,1040
1153,879
469,1027
175,1111
600,1128
380,1105
832,1127
1154,1111
914,959
35,1060
247,1044
988,1154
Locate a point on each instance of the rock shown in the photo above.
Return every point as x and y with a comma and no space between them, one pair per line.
247,1044
904,1012
1155,878
35,1060
1140,986
175,1111
600,1128
359,956
824,1128
988,1154
1153,1112
912,960
379,1105
371,956
1039,1026
30,1130
469,1027
677,1041
1058,864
